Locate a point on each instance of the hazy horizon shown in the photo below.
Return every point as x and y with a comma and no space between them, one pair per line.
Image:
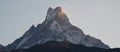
100,19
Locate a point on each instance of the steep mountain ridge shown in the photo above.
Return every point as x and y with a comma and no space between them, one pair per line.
56,27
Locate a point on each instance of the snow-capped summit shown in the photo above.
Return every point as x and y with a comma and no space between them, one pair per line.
56,27
57,10
56,14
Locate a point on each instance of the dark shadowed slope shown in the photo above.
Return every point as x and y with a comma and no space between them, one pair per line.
64,46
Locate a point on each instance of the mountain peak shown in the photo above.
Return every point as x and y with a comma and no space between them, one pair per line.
50,10
56,14
60,11
56,27
57,9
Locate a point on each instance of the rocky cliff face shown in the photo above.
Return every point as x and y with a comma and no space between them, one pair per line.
56,27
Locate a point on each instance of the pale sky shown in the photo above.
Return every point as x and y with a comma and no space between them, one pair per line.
98,18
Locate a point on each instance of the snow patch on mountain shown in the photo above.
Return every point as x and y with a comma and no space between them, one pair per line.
24,40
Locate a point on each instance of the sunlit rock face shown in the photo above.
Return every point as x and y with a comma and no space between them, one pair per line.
56,27
56,14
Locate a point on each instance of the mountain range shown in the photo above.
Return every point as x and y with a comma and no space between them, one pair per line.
56,33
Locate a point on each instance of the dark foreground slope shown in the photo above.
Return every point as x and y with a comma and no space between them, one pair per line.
64,46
